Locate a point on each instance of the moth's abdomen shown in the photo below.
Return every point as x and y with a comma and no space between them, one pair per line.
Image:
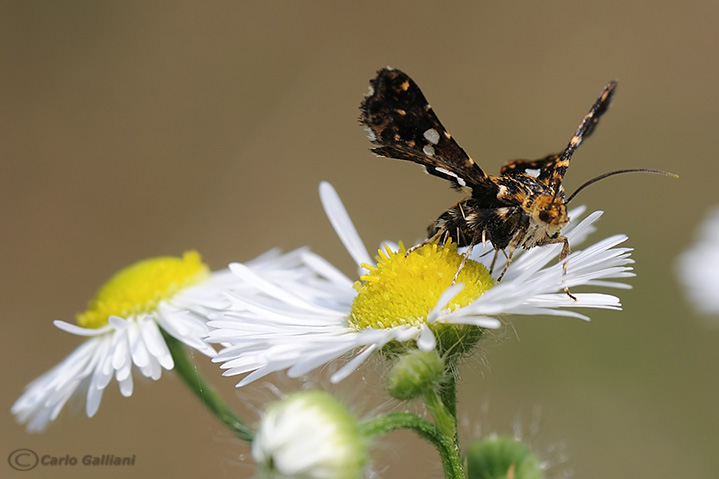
467,223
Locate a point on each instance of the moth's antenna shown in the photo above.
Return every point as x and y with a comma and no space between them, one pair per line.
619,172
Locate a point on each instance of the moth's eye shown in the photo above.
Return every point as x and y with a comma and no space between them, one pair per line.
545,216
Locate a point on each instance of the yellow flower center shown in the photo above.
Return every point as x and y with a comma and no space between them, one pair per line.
141,286
403,288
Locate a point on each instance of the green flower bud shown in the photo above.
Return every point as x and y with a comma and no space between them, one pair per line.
502,457
414,373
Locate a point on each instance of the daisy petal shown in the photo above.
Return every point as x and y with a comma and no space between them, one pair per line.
340,220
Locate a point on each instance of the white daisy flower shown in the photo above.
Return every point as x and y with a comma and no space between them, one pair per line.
309,435
698,268
122,327
299,326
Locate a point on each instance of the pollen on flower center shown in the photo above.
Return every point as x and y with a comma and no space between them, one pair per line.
403,288
141,286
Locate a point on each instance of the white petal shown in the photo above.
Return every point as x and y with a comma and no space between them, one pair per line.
342,224
426,341
126,386
138,350
351,366
155,343
117,322
80,331
448,295
121,353
326,269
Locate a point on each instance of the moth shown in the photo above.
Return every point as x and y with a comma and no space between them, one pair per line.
522,207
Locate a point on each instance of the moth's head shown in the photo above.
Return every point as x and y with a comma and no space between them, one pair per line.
551,213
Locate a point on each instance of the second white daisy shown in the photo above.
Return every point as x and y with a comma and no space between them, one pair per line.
122,330
698,267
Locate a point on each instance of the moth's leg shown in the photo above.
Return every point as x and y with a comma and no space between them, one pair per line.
562,256
494,260
509,251
464,260
506,265
437,235
565,252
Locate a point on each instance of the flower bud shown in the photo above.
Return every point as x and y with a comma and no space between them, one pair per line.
414,373
309,435
502,457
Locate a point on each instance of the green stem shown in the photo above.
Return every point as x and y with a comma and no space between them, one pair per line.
445,445
443,418
448,398
448,394
442,405
185,368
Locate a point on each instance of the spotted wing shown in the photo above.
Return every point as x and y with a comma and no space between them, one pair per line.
403,126
540,169
553,172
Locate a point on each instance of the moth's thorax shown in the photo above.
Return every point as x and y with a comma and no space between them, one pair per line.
548,213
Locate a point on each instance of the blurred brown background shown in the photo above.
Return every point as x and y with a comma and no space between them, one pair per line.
135,129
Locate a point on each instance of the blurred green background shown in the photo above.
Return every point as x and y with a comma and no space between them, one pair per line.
136,129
